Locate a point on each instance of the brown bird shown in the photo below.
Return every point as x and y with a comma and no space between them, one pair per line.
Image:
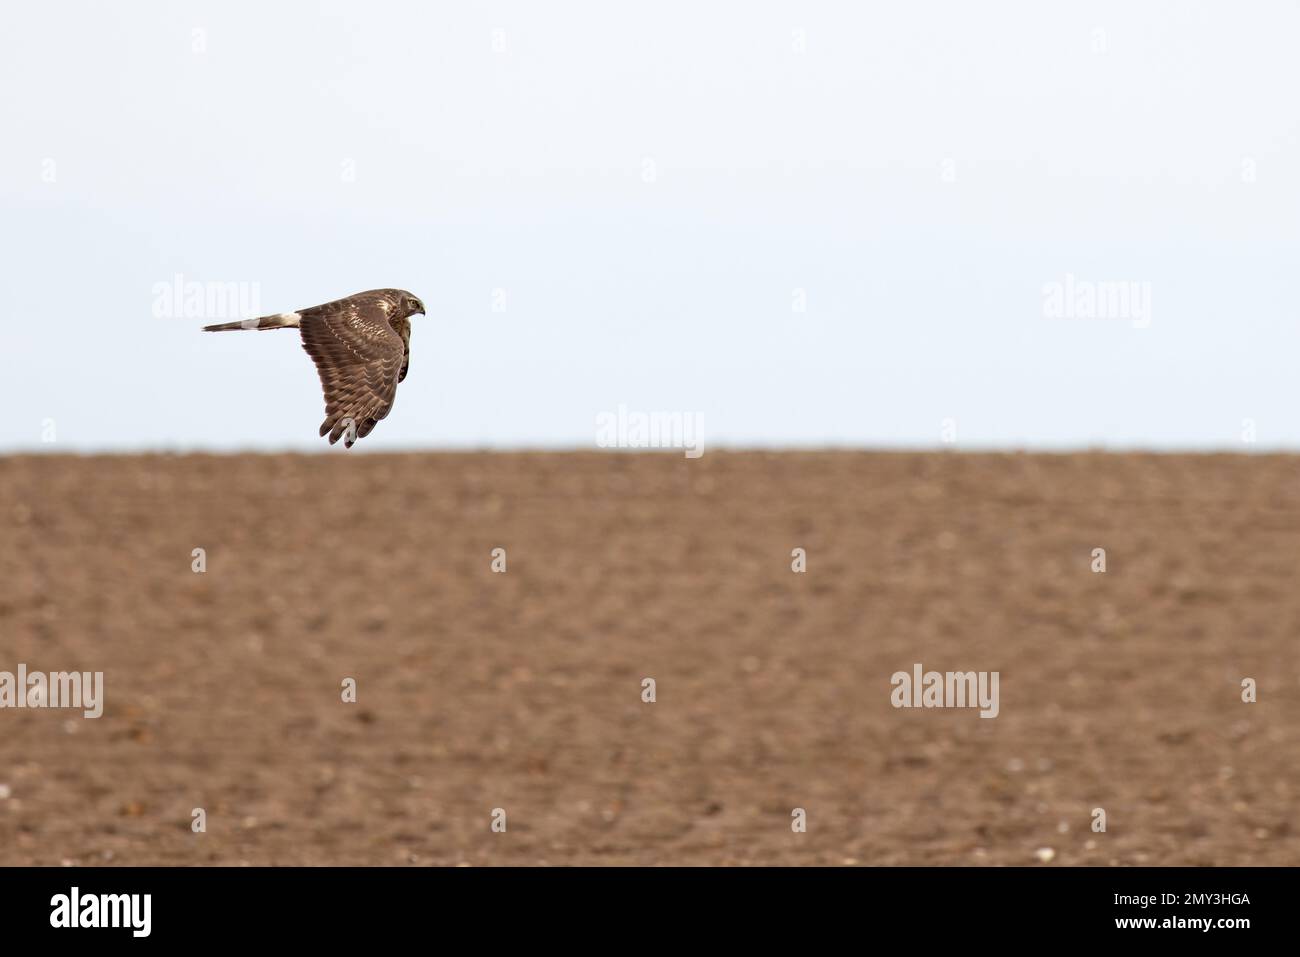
361,346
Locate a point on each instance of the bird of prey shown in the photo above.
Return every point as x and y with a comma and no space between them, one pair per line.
361,346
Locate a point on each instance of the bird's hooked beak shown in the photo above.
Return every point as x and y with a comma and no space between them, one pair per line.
419,307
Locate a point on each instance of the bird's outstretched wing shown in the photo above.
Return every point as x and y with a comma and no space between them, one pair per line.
359,357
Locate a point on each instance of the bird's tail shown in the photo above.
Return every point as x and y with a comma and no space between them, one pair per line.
283,320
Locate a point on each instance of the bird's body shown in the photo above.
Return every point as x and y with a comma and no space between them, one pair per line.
362,348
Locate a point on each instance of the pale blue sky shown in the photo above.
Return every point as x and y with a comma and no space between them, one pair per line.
920,171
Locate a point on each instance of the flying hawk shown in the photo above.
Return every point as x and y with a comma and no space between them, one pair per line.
361,346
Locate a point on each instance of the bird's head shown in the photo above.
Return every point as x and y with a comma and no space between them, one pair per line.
411,304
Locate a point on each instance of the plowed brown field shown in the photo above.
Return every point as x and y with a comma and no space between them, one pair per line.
522,691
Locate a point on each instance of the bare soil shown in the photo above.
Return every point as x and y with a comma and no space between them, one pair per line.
522,691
